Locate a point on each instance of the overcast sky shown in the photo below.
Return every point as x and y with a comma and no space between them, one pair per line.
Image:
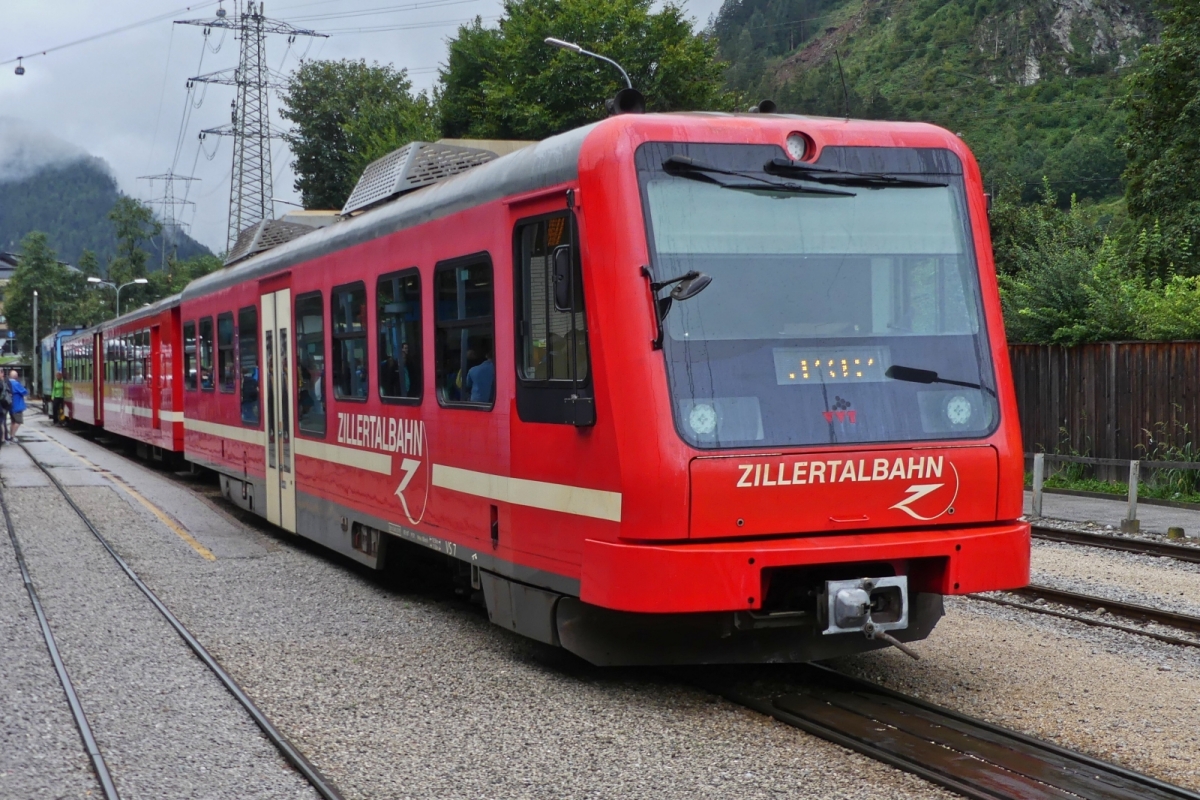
124,98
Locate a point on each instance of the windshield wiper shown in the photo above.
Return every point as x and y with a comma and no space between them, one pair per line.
914,375
685,167
790,169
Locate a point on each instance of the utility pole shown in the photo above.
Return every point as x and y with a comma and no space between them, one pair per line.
37,350
170,218
251,188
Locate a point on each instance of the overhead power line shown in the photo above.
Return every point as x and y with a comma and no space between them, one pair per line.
112,32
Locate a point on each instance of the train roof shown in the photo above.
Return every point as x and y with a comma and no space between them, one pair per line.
546,163
549,162
145,311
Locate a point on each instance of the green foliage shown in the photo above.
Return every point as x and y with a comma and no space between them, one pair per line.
506,83
1162,142
347,114
70,204
134,224
961,64
58,288
1044,261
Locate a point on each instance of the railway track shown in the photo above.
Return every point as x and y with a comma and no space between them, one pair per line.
1129,612
974,758
319,782
970,757
1180,552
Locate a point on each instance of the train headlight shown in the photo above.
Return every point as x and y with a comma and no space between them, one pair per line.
958,410
797,146
703,419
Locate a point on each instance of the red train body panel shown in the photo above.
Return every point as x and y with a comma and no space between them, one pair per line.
606,494
123,376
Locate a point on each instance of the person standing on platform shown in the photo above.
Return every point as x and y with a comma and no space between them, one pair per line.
18,404
6,398
57,391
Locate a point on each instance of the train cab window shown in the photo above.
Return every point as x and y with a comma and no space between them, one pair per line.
206,353
310,363
225,363
464,335
552,341
348,307
247,336
398,323
189,355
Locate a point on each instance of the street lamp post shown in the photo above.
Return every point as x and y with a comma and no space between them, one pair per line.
574,48
138,281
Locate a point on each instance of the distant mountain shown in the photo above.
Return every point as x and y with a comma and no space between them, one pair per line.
1033,86
69,201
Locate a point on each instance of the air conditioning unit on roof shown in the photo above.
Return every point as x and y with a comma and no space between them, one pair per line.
415,165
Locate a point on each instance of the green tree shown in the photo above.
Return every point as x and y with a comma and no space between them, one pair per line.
58,288
134,224
506,83
346,114
1045,258
1162,142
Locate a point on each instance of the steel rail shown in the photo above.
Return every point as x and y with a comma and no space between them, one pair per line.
81,721
974,758
1115,608
297,759
1180,552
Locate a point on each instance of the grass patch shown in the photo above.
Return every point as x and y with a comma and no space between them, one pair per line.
1157,490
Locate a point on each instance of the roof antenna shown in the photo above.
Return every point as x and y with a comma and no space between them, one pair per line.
845,91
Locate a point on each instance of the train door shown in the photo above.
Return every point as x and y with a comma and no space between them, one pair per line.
278,343
154,379
98,366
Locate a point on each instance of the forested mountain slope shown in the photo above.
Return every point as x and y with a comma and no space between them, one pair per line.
70,201
1031,85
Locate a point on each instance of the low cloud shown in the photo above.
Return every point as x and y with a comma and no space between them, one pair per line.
26,148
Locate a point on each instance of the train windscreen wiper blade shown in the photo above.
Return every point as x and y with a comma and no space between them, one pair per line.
870,180
685,167
914,375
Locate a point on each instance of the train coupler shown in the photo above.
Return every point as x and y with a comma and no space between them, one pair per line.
872,606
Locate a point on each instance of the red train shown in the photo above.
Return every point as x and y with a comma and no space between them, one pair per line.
631,380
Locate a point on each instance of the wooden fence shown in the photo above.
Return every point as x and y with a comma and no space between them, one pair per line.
1113,400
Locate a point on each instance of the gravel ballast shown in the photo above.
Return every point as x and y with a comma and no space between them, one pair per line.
164,724
411,694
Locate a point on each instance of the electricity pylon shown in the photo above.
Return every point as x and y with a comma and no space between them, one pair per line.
250,190
171,225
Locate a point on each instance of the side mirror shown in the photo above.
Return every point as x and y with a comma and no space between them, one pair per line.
562,278
691,286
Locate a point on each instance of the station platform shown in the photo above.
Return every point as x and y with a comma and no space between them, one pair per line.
1105,512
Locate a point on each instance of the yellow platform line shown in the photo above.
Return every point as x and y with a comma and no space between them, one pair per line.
171,524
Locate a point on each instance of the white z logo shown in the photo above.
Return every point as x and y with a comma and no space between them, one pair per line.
915,493
409,467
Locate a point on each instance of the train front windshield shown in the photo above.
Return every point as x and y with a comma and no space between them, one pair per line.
844,302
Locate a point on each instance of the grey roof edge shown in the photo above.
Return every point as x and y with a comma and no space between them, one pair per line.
549,162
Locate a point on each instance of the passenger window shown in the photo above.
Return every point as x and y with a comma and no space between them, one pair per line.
464,340
551,334
225,363
350,372
189,355
137,352
398,323
206,353
310,363
248,364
